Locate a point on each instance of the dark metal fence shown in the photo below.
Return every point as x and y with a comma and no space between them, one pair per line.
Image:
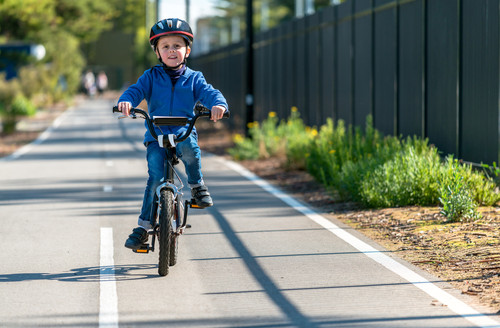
420,67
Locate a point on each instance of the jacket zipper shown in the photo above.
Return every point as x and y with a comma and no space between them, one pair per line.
172,100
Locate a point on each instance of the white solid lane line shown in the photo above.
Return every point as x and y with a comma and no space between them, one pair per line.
108,300
417,280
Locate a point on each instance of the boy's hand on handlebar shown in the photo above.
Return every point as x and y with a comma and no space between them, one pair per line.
124,107
217,113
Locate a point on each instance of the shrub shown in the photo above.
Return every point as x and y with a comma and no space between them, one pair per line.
8,91
341,158
287,138
482,188
411,177
491,171
20,106
296,139
244,148
456,192
370,169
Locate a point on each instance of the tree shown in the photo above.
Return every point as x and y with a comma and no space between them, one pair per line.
137,17
61,26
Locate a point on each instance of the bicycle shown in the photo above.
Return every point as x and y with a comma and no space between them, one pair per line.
169,213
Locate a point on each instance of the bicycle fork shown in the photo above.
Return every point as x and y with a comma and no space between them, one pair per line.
178,222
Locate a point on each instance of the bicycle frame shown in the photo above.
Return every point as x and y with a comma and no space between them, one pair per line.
169,213
169,143
169,183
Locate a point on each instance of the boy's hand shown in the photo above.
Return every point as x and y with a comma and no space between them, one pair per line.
217,112
124,107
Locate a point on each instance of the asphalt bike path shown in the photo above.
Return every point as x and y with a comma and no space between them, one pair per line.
258,258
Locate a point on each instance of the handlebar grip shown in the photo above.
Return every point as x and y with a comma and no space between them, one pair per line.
200,108
204,111
207,114
116,110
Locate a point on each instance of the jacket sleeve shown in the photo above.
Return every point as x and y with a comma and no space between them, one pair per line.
207,94
138,91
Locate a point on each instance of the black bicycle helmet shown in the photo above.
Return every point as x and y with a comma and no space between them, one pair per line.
170,26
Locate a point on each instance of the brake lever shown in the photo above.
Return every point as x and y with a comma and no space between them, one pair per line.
132,116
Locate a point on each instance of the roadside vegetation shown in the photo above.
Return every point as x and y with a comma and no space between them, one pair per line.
375,171
66,30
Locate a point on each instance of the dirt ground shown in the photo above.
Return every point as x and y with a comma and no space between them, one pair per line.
467,255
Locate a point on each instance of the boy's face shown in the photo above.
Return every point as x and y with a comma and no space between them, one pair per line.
173,50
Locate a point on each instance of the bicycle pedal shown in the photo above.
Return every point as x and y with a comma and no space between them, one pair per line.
144,248
193,204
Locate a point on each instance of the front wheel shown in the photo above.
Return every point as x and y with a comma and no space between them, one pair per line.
166,234
174,248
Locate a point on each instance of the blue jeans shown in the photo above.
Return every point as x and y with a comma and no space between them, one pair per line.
190,154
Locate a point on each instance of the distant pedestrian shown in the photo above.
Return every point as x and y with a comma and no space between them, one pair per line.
89,83
102,82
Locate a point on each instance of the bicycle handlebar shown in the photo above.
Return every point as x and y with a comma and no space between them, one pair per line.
202,111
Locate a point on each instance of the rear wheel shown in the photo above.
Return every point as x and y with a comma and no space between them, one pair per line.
165,237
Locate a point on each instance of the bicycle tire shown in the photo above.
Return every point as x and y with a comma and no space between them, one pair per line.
174,246
174,242
165,234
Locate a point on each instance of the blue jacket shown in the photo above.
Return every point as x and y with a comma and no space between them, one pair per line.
164,99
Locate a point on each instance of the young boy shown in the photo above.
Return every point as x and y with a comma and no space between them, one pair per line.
171,89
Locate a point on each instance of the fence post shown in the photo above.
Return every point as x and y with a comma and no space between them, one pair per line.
249,66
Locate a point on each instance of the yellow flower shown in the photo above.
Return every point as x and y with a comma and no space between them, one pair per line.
238,138
272,114
294,109
252,125
332,151
314,132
